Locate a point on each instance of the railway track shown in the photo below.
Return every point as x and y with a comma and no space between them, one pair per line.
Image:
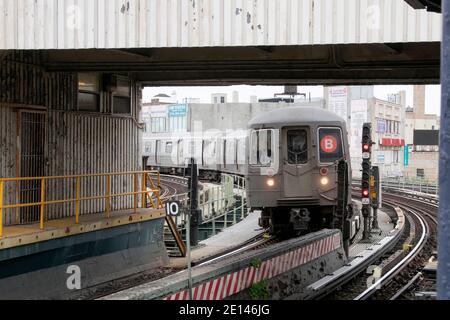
395,283
407,273
172,186
404,270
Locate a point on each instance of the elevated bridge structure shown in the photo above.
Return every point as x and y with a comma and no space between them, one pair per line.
226,42
52,128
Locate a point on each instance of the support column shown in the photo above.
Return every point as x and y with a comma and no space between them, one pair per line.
443,275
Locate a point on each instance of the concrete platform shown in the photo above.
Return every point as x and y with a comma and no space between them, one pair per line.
224,241
59,267
20,235
386,226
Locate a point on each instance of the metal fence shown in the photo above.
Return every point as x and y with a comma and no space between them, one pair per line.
406,183
222,205
145,193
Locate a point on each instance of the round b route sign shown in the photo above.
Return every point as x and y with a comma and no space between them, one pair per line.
328,144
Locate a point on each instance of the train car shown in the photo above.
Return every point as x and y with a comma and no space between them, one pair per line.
214,152
292,173
289,157
233,157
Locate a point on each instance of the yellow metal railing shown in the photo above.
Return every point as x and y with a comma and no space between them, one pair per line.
147,192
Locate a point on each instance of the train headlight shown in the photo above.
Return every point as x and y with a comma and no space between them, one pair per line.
270,182
324,181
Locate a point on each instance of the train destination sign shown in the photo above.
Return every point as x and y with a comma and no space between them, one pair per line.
328,144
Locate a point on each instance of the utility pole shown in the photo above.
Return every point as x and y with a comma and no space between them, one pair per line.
193,218
365,181
194,212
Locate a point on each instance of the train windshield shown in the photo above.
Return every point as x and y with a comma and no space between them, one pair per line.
297,141
261,147
330,141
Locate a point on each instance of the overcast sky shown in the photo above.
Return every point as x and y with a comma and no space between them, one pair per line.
432,93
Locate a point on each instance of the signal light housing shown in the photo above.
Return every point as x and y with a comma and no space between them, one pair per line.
366,147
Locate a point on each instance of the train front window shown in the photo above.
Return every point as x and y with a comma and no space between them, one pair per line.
261,147
297,143
330,145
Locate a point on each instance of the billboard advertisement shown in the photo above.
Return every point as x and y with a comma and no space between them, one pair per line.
406,156
359,111
338,101
177,110
381,125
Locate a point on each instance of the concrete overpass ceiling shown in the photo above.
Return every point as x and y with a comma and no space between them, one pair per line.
87,24
395,63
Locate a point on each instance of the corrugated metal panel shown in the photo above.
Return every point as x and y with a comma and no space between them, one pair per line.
24,82
8,148
49,24
83,144
76,143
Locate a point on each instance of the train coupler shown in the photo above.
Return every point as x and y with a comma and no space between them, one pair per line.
264,223
300,218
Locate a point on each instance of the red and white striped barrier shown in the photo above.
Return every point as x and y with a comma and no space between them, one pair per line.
230,284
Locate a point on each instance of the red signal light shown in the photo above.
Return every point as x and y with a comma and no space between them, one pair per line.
365,193
366,147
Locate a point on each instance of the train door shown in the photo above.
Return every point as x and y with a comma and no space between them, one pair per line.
31,146
158,152
297,164
224,153
230,153
241,157
180,150
150,151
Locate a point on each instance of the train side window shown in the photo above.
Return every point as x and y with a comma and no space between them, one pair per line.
169,147
261,147
330,145
297,143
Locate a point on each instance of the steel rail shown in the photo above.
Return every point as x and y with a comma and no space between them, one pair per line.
403,263
353,270
407,286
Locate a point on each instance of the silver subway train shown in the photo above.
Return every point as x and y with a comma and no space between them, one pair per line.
290,159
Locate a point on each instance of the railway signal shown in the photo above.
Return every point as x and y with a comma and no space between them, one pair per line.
375,194
365,179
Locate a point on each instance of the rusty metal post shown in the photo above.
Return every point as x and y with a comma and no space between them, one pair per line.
2,186
42,211
144,188
77,200
108,195
135,192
